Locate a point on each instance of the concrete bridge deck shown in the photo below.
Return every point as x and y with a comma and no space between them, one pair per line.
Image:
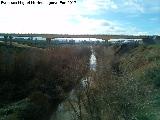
98,36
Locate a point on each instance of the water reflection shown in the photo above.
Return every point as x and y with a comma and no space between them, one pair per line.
92,60
64,112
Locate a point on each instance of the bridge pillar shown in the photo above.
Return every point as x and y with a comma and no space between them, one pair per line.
48,40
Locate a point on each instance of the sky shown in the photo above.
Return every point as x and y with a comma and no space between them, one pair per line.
130,17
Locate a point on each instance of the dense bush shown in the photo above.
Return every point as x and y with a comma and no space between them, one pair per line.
45,76
153,75
124,87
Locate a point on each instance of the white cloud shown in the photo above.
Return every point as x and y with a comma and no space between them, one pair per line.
133,6
55,19
99,4
71,19
54,23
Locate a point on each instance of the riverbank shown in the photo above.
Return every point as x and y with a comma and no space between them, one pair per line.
126,84
69,109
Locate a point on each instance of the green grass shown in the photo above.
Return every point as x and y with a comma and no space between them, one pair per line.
144,66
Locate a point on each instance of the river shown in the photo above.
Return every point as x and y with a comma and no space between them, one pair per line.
65,110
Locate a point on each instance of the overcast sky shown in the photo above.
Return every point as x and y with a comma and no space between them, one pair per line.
82,17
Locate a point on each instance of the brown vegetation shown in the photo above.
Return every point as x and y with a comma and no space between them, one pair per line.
126,85
44,77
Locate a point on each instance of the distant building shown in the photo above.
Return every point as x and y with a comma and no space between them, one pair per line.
55,41
71,41
21,38
125,41
151,40
39,38
156,39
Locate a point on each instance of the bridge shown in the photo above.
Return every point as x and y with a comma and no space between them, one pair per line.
98,36
48,37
